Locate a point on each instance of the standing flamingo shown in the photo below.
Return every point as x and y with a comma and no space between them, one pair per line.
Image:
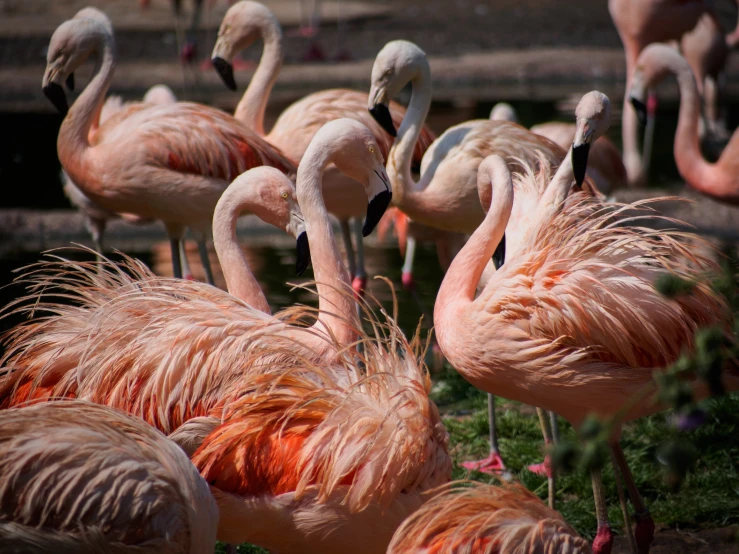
76,477
446,195
166,350
639,23
243,23
572,322
486,519
169,162
718,180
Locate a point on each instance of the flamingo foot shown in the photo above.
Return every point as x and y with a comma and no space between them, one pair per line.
358,285
603,541
407,279
492,465
544,468
644,532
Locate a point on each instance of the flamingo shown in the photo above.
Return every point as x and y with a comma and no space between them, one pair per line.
243,23
719,180
325,458
77,477
169,162
605,166
446,196
639,23
572,322
486,519
166,350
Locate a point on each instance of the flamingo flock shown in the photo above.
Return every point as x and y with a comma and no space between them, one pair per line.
143,413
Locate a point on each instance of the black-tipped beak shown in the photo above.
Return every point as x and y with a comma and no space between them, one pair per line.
580,162
70,82
55,94
375,210
499,254
641,110
303,254
381,113
226,71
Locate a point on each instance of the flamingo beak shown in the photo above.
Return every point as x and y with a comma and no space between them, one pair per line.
225,70
381,114
55,94
381,194
303,254
70,82
641,109
580,162
499,254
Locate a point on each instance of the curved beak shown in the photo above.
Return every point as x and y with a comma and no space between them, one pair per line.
55,94
499,254
378,108
225,70
70,82
584,134
380,195
641,109
303,254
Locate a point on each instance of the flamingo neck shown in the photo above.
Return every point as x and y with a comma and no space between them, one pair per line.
462,277
337,309
557,190
73,141
240,281
688,156
401,154
253,104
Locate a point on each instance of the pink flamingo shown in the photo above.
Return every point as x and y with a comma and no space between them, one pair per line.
166,350
718,180
639,23
243,23
446,195
76,477
572,322
605,166
144,164
486,519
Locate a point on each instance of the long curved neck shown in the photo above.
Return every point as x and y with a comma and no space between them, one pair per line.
337,308
463,275
73,141
557,190
688,157
240,281
253,104
401,154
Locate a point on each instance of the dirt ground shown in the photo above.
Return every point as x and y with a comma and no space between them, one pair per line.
674,541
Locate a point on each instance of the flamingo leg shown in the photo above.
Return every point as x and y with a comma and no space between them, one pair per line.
97,230
186,271
649,131
359,282
604,536
644,531
545,467
624,507
493,464
406,275
346,235
554,421
174,244
205,259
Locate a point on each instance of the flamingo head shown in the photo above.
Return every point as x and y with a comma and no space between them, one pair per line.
397,64
593,118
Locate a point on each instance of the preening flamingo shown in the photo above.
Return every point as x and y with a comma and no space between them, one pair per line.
718,180
640,23
245,22
446,195
168,162
166,350
486,519
326,458
605,166
572,321
77,477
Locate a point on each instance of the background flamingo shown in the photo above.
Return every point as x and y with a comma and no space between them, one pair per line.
639,23
572,322
718,180
134,165
166,350
486,518
76,477
243,23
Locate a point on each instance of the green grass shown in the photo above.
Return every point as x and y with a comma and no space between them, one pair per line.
709,496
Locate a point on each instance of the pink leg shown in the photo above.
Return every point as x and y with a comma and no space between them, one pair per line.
545,467
493,464
603,540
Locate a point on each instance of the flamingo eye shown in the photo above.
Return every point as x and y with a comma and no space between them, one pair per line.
372,149
284,195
